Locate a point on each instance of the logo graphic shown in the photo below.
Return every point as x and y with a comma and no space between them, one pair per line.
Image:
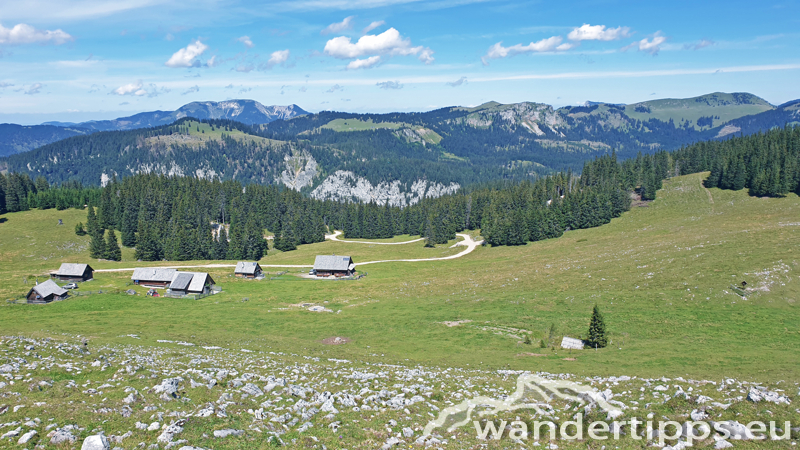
533,392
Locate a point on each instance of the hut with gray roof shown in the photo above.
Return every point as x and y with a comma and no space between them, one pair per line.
46,292
74,272
191,283
334,265
246,269
153,277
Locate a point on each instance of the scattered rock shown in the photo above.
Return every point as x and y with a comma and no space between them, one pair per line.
96,442
227,432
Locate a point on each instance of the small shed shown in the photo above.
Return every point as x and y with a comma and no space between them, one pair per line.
46,292
246,269
74,272
333,265
153,277
191,283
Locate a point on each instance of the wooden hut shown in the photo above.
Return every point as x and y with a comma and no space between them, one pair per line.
74,272
246,269
191,283
153,277
46,292
333,265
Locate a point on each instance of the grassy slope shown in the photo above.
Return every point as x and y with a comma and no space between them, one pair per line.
661,275
359,125
691,110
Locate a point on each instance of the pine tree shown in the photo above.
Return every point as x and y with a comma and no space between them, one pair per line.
597,330
221,244
147,246
79,230
97,246
113,251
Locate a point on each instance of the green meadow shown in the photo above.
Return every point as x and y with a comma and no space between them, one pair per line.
666,277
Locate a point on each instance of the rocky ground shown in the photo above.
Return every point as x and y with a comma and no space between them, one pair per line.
73,393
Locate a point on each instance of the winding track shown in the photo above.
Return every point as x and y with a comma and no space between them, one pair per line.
467,241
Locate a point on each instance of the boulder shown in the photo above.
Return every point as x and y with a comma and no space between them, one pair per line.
227,432
96,442
26,437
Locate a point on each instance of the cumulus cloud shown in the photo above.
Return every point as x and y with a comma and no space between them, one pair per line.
457,83
335,88
130,89
364,63
588,32
26,34
338,27
390,43
372,26
192,89
34,89
550,44
212,62
187,57
651,46
389,85
278,57
702,44
246,41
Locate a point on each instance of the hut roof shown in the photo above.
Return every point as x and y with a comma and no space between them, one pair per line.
72,270
47,288
246,267
181,281
153,274
333,262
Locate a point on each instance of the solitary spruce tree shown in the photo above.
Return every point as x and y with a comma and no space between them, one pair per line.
597,330
113,251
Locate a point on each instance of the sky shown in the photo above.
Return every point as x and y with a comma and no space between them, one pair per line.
76,60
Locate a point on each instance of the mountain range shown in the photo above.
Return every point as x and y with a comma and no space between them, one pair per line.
18,138
395,157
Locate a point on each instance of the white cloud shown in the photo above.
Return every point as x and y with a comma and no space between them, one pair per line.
155,91
364,63
4,85
545,45
651,46
34,89
246,41
26,34
335,88
389,85
212,62
187,57
702,44
278,57
245,68
588,32
457,83
390,42
192,89
372,26
338,27
130,89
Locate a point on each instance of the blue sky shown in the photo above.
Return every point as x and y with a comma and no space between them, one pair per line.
91,59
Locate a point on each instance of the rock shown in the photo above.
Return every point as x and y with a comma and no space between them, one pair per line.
391,442
660,388
408,432
6,368
722,443
11,434
698,415
227,432
61,437
760,394
736,430
96,442
169,433
168,386
141,426
26,437
131,398
154,426
252,389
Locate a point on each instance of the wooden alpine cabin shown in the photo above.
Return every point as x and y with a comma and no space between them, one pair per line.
74,272
333,265
153,277
191,283
46,292
246,269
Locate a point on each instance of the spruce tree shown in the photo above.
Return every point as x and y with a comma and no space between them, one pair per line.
79,230
221,244
97,246
597,330
113,251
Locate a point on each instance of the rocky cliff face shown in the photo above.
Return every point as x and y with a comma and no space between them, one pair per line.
301,169
345,185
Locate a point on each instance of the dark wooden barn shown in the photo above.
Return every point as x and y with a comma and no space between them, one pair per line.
46,292
74,272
